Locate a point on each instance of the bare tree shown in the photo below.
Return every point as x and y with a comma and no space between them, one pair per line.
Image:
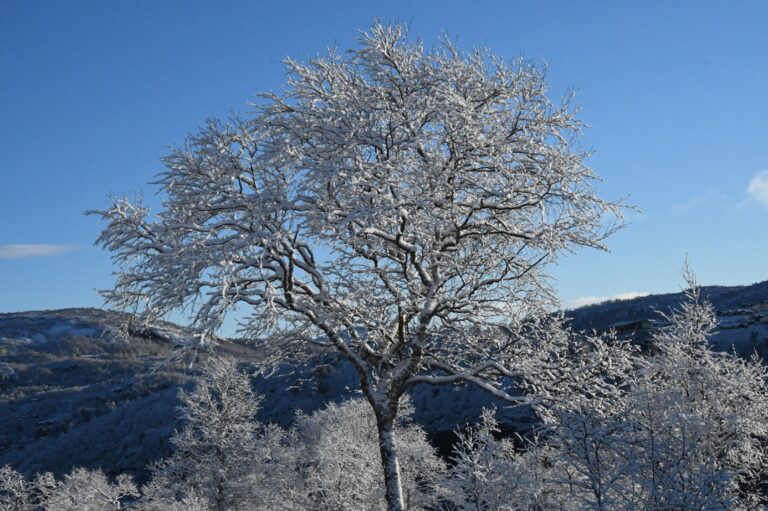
395,204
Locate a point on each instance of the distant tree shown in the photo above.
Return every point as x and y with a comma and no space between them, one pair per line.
216,449
395,204
7,374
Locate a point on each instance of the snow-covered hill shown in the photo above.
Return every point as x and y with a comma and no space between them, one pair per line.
79,388
742,314
724,298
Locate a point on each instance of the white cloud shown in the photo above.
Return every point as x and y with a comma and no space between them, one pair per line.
23,251
591,300
758,188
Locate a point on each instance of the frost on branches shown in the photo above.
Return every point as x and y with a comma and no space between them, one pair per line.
216,449
686,429
80,490
342,468
329,460
16,493
392,203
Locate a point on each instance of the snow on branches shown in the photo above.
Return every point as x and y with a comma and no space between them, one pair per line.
393,203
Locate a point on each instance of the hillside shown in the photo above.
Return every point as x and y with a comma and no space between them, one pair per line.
723,298
78,389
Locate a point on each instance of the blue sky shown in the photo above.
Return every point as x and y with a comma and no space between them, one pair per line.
92,94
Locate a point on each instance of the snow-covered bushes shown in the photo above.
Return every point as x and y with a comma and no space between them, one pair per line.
328,460
685,430
87,490
342,470
16,493
80,490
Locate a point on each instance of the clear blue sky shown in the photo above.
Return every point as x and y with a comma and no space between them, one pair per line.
93,93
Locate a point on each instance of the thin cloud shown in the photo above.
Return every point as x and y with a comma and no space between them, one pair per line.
758,188
25,251
701,200
592,300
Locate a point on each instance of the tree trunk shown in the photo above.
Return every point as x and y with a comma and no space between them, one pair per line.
220,495
385,423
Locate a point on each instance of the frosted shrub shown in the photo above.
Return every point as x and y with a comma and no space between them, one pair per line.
89,490
343,460
16,493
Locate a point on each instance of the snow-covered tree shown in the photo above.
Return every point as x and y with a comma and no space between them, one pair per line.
480,472
683,428
88,490
215,450
393,203
700,417
687,429
342,464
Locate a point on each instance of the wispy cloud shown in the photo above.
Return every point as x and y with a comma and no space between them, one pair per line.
591,300
758,188
701,200
24,251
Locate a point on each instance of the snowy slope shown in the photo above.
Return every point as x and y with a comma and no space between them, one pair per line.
78,389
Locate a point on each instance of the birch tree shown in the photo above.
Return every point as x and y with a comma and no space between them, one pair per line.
394,203
342,471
